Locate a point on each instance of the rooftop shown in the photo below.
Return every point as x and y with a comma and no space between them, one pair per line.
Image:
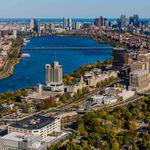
139,72
16,137
34,122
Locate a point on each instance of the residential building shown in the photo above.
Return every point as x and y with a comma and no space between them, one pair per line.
143,65
72,89
120,59
139,80
96,76
54,80
53,73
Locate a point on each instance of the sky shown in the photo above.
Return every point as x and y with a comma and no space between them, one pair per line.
73,8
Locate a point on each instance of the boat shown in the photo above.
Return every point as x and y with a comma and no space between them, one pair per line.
25,55
26,41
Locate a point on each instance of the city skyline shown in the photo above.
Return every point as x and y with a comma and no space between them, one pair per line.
58,9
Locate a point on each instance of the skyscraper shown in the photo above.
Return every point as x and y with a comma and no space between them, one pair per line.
123,21
134,20
34,25
53,72
65,23
69,23
99,22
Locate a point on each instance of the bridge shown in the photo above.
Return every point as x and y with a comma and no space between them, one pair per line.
66,48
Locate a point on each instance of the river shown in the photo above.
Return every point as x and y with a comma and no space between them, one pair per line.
31,71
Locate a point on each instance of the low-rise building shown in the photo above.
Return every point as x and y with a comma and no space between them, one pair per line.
102,99
72,89
37,126
94,77
52,88
112,95
21,141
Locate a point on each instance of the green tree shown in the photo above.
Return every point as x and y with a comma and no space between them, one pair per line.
114,145
133,125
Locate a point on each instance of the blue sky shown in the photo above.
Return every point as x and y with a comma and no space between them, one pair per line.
72,8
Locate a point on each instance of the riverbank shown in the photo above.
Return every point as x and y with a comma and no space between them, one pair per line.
14,58
8,71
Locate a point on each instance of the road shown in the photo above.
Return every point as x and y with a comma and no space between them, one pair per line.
84,107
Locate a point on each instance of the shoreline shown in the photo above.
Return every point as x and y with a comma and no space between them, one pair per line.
11,63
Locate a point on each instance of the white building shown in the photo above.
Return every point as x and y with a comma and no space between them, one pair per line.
111,96
21,141
100,99
36,126
54,80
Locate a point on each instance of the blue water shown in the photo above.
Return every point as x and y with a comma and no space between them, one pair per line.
31,71
43,20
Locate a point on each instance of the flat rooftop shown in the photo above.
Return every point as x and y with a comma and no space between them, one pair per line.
34,122
16,136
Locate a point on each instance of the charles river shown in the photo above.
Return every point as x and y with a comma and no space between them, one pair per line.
31,71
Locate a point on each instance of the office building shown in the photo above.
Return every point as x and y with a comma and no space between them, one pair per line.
34,25
65,23
54,73
134,20
77,25
99,22
123,21
139,80
37,126
120,59
69,23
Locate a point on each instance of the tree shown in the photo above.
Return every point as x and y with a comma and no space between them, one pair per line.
85,90
133,125
26,108
114,145
81,130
